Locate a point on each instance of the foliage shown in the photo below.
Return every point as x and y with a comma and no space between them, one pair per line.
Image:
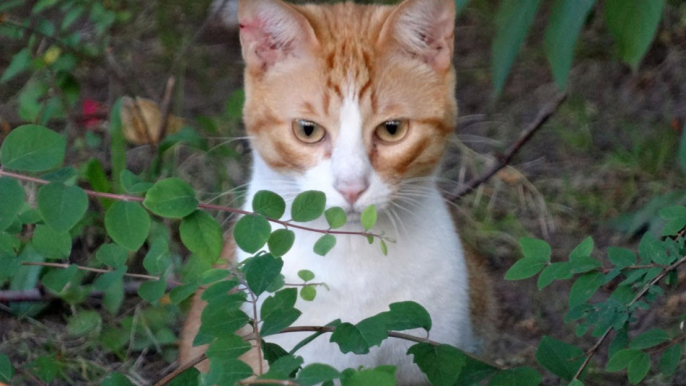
41,217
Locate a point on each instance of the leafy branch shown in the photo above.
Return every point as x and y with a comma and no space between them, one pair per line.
591,353
128,198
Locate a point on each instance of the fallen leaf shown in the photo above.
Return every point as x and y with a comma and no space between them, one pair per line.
141,121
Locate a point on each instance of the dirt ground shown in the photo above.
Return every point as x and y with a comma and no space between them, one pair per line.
608,151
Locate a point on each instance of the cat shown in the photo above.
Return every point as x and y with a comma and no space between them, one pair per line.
358,101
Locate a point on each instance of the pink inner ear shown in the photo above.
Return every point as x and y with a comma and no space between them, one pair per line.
261,42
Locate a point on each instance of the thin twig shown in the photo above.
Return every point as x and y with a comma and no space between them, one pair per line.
166,108
591,353
38,295
391,334
505,159
119,197
268,382
96,270
171,376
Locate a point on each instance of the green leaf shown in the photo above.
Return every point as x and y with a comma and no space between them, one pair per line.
283,367
6,369
676,217
442,364
639,368
370,377
112,255
670,359
84,323
269,204
306,275
251,233
374,330
128,224
21,61
46,367
57,279
308,206
133,184
584,249
650,338
152,290
555,271
368,218
202,235
12,200
222,322
278,312
536,257
534,248
230,347
158,259
566,20
261,271
522,376
652,250
189,377
181,293
116,379
336,217
281,241
621,257
315,374
583,264
513,21
171,198
50,243
227,372
32,148
584,287
349,339
525,268
109,279
621,359
407,316
324,245
308,293
62,206
218,290
633,24
560,358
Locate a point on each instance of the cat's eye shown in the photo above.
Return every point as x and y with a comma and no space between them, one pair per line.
308,131
393,131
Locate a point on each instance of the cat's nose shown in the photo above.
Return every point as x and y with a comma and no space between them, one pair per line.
352,191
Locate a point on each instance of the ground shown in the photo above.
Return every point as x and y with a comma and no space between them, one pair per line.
609,151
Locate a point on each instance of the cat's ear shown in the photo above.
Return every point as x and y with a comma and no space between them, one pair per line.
424,29
272,30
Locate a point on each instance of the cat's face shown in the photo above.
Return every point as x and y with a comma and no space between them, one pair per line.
355,101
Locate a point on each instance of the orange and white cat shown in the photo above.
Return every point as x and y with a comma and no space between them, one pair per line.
358,101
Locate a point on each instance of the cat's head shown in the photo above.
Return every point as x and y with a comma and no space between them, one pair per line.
353,100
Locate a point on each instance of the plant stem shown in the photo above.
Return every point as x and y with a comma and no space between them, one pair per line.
120,197
96,270
591,353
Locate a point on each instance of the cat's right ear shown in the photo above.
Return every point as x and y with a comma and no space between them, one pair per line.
272,31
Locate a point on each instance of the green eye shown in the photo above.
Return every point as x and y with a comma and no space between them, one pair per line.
307,131
393,131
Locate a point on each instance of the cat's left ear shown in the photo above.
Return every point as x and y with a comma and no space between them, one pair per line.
424,29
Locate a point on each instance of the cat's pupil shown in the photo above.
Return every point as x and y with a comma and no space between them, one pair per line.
392,127
308,129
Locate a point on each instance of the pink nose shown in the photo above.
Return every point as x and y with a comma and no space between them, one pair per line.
352,192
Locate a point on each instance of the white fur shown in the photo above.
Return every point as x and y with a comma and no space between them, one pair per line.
426,265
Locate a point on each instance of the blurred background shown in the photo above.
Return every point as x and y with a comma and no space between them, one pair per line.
603,166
